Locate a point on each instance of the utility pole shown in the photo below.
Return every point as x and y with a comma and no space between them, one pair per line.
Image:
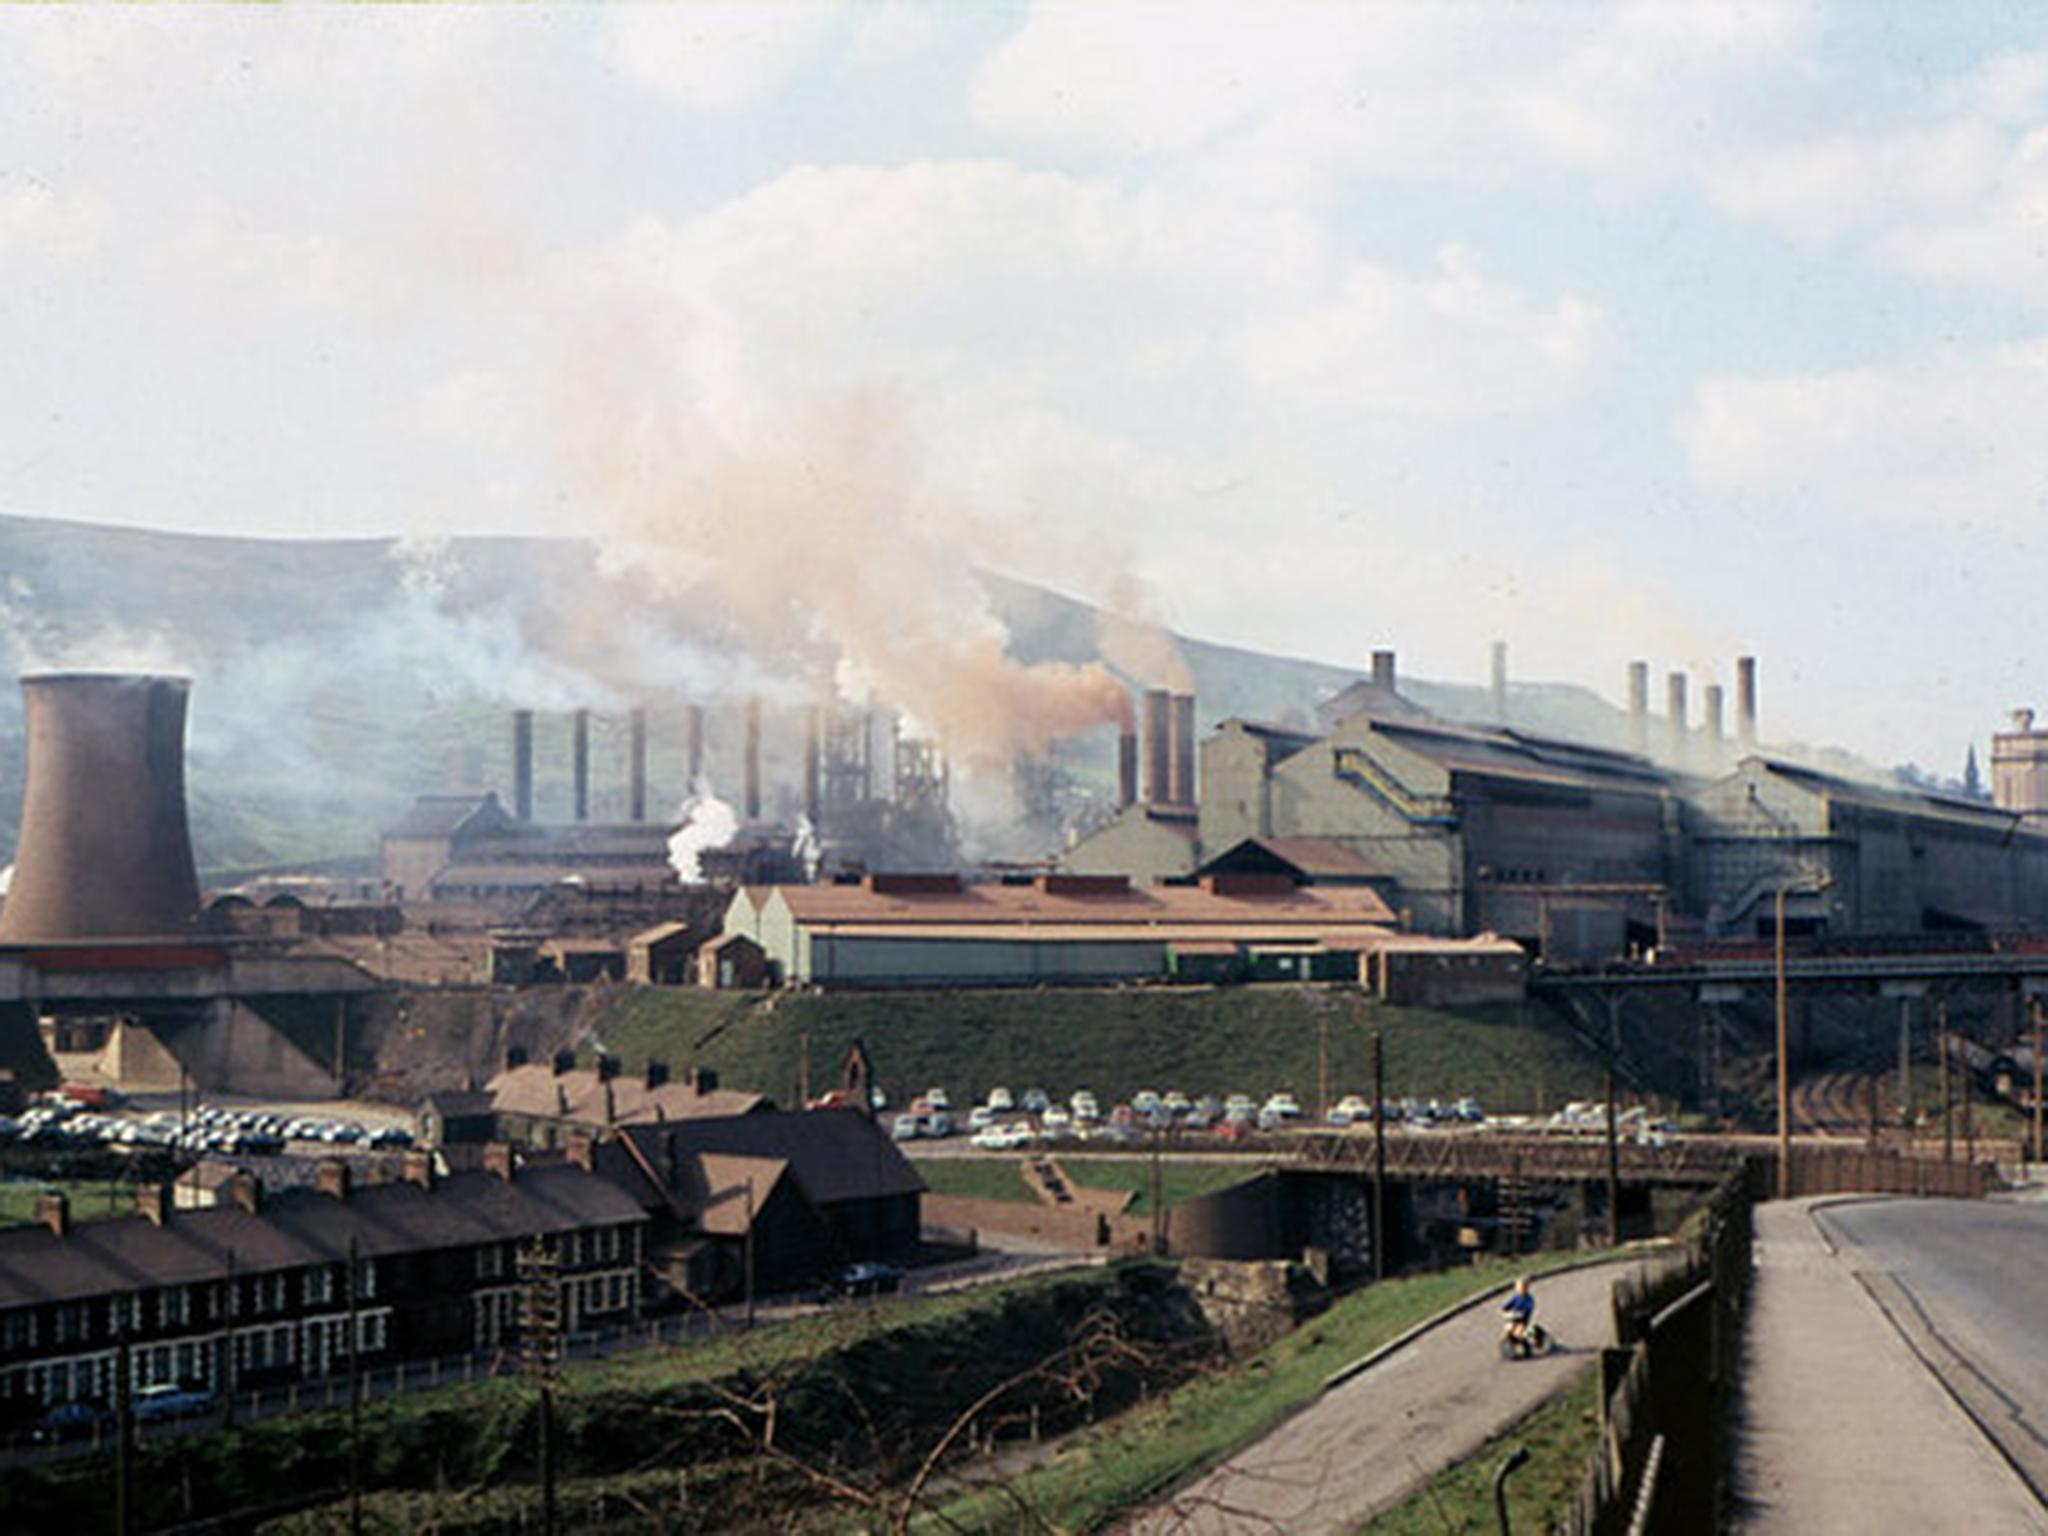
1969,1125
1158,1192
803,1070
1906,1066
1948,1101
540,1338
124,1428
1613,1124
1784,1064
355,1393
2039,1155
750,1253
1379,1157
1322,1067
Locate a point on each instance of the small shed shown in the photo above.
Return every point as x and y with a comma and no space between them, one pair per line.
732,961
663,956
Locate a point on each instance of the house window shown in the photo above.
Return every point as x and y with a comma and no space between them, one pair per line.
174,1306
490,1261
319,1286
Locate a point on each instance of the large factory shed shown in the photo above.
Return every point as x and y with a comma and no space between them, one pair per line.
469,848
1853,857
1478,830
934,930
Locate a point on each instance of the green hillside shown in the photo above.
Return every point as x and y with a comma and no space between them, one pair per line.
1253,1040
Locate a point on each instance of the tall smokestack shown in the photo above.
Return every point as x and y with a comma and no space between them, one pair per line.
636,764
1500,681
1158,745
104,850
812,725
1127,765
1383,671
1674,707
1745,701
522,764
580,763
753,785
1181,787
696,736
1639,706
1715,736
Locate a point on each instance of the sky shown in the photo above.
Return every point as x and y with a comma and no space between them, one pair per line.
1663,331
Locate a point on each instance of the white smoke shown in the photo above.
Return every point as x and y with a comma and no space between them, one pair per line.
706,822
805,847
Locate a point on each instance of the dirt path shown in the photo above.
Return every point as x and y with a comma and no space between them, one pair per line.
1364,1446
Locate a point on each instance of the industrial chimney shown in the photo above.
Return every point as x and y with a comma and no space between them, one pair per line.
1716,736
1500,682
580,764
1127,764
104,850
1745,701
1639,706
1182,786
696,747
753,783
1158,745
522,764
1383,671
1674,707
636,764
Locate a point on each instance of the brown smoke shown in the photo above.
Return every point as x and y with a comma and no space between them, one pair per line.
821,543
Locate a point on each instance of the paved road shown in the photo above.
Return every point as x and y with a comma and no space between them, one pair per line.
1371,1442
1843,1428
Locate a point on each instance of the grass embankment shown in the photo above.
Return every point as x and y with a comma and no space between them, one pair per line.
1000,1178
1560,1436
859,1393
90,1198
1116,1041
1159,1444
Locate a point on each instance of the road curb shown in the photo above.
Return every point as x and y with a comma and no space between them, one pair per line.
1366,1362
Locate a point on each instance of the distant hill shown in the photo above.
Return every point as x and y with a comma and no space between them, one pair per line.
335,679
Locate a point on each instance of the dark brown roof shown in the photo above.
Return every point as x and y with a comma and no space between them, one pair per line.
836,1154
445,815
127,1253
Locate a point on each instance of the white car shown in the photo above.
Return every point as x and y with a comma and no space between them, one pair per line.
999,1099
1084,1106
1144,1101
993,1138
1055,1118
1283,1105
936,1097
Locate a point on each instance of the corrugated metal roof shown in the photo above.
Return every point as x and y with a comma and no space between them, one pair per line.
1137,906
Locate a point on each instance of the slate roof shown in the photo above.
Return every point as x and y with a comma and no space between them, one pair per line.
302,1227
837,1155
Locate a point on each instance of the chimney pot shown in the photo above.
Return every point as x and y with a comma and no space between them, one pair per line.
53,1210
515,1056
607,1066
153,1200
657,1072
418,1168
704,1080
2023,720
564,1061
332,1178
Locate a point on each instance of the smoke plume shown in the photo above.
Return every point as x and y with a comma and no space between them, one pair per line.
704,822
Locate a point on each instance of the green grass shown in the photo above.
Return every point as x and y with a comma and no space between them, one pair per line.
998,1178
974,1178
1152,1448
90,1199
1115,1041
1561,1437
1179,1179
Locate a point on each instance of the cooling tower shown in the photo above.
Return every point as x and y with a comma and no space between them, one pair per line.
104,850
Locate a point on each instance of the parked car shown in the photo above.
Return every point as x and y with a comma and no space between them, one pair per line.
936,1097
868,1278
982,1116
168,1400
1036,1101
74,1420
906,1128
999,1099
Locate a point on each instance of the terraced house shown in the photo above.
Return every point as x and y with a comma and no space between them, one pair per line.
256,1291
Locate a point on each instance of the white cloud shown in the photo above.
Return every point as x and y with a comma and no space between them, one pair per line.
713,57
1401,90
1947,440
